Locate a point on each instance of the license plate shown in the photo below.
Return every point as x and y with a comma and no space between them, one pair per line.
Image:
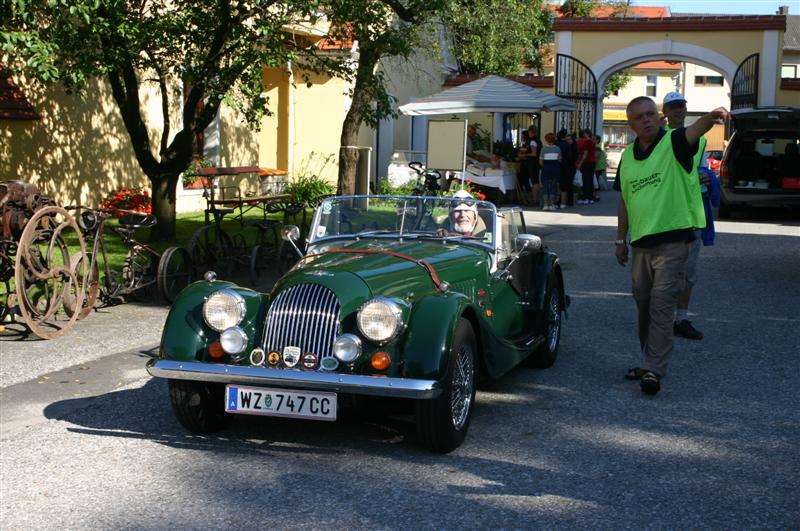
280,403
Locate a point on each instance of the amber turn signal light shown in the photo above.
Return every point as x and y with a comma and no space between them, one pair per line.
381,361
215,350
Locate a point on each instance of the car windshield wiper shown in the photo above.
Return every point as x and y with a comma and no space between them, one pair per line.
373,232
446,236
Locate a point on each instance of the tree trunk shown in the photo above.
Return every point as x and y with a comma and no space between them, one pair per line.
348,155
164,198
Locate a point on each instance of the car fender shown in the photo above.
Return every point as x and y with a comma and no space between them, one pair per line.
431,328
549,268
186,337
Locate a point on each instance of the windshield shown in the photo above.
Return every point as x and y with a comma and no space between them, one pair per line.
441,218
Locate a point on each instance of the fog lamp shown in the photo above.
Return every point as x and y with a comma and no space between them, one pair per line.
347,348
233,340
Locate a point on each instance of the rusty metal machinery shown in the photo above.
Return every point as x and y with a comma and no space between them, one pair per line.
37,276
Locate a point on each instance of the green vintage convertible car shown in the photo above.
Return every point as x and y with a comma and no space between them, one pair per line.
396,296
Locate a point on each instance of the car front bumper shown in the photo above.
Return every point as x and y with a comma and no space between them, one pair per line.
294,379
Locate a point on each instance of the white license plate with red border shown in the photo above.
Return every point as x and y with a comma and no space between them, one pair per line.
247,400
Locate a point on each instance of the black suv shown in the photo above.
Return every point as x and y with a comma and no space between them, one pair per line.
761,165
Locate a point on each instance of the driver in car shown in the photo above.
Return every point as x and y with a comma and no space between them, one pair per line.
463,219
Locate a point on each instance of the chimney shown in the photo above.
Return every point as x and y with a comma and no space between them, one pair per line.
783,10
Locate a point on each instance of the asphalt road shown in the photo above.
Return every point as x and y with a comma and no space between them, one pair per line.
87,439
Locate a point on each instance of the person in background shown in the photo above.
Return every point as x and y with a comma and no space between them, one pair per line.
471,132
564,143
585,162
599,167
550,162
535,145
674,110
660,206
523,176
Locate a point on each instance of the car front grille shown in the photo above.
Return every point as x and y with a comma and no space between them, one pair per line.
304,316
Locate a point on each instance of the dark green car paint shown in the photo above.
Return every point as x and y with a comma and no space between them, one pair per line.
506,336
186,337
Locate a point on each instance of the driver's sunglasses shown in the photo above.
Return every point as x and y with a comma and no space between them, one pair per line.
466,203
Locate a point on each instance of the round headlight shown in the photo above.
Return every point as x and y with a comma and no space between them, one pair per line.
233,340
347,348
223,309
380,319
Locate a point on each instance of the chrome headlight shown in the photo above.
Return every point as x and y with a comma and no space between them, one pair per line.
223,309
233,340
380,319
346,348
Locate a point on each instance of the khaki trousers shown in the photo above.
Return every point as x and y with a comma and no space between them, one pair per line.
658,277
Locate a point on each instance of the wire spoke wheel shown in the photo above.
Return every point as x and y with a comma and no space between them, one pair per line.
263,260
174,272
44,274
209,249
139,274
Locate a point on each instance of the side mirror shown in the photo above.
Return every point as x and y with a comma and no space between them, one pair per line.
529,242
524,242
291,233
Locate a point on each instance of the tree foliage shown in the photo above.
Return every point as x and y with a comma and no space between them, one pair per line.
382,29
497,36
598,8
593,8
195,52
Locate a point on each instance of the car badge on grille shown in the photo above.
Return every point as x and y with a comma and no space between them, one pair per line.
329,364
291,355
321,273
309,361
274,358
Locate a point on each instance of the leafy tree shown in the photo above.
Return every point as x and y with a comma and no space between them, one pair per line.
497,36
217,49
617,81
593,8
382,29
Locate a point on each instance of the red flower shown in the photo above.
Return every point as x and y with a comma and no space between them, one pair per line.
136,199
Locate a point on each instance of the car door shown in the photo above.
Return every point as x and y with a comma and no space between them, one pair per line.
514,315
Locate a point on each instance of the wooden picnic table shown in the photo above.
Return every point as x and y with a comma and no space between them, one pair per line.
269,203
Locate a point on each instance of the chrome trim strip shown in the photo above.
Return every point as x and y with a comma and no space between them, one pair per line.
294,379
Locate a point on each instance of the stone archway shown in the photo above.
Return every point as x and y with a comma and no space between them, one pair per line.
720,43
665,50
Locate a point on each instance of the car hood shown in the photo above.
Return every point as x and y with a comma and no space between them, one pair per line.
378,265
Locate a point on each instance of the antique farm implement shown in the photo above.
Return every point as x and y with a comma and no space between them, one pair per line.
37,240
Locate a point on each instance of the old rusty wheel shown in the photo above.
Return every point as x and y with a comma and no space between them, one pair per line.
43,272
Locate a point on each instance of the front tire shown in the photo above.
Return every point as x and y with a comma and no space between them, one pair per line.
547,352
199,406
442,422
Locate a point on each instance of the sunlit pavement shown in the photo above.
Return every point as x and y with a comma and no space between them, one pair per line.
575,446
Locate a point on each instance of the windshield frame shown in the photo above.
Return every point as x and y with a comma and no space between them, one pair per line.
491,246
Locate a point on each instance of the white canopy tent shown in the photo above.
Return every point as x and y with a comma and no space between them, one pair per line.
490,94
493,94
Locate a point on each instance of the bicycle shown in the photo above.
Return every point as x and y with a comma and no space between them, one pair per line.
427,180
143,271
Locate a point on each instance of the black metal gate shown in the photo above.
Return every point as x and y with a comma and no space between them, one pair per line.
576,82
744,90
